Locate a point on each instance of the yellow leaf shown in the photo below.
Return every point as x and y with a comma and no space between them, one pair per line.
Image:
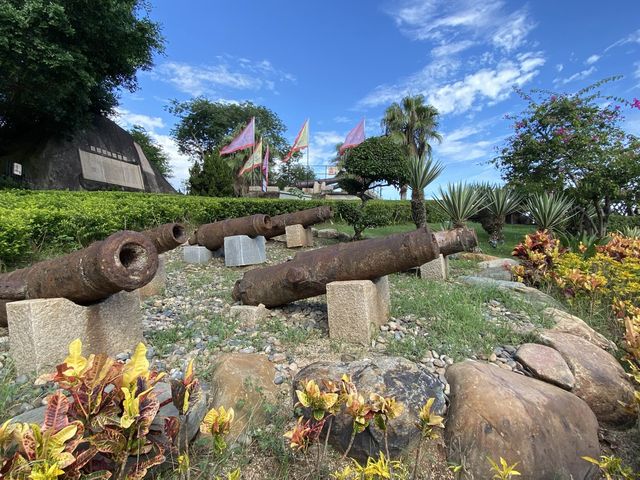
138,366
75,361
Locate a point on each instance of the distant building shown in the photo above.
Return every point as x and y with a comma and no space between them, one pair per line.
103,156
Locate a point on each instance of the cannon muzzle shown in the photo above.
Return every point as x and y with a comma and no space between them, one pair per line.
167,237
123,261
211,235
308,274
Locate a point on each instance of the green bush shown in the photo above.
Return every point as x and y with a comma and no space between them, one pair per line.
30,220
619,222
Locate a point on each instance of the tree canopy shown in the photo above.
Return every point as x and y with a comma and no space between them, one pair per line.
204,126
211,177
63,60
574,143
152,150
376,162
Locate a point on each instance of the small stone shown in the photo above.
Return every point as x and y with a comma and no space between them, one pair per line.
278,358
493,357
439,363
392,325
21,379
293,366
279,380
384,328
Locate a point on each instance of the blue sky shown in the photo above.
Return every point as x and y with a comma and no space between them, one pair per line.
336,62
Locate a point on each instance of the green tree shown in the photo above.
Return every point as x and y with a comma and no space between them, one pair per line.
292,172
212,177
413,124
420,175
376,162
152,150
204,126
573,143
64,60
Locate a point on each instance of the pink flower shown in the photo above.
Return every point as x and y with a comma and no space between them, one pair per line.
553,98
636,104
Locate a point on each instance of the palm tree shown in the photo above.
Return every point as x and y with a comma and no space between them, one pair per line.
421,174
413,124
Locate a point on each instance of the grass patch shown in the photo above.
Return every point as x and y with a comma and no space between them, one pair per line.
289,334
455,318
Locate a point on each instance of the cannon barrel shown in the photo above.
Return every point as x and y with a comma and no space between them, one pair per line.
308,274
167,237
307,217
211,235
123,261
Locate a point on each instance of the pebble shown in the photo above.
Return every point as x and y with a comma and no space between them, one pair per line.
278,358
21,379
279,379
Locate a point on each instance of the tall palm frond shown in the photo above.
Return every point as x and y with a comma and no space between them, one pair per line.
422,173
460,202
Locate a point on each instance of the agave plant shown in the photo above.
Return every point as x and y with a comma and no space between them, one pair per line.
460,202
550,211
499,202
421,174
630,231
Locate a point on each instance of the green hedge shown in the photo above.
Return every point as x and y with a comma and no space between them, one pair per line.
30,220
618,222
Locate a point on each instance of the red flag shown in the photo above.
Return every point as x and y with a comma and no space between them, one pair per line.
354,137
265,170
246,139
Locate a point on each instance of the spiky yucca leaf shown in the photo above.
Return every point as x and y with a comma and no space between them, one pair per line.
502,201
422,173
550,211
460,202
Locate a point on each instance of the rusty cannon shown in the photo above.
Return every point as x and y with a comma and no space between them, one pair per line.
167,237
123,261
305,218
211,235
308,274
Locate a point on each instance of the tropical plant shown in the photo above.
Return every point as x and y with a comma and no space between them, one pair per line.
412,124
428,421
460,202
152,150
421,174
575,143
499,202
550,211
630,231
503,471
538,254
379,469
612,468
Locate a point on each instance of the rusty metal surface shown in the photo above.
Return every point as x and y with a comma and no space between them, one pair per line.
123,261
211,235
309,272
307,217
456,240
167,237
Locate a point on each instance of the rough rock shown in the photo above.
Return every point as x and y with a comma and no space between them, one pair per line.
504,263
248,315
328,233
546,364
410,383
530,294
567,323
244,382
497,413
600,379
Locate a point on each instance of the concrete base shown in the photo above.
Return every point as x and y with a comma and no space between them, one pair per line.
357,308
158,283
196,254
41,330
240,250
298,236
437,269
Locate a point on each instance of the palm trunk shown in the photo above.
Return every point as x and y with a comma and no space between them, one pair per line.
418,211
403,192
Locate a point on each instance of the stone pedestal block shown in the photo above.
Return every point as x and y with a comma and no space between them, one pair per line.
196,254
437,269
41,330
157,284
240,250
356,309
298,236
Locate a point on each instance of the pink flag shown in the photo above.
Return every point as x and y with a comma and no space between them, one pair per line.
354,137
246,139
265,170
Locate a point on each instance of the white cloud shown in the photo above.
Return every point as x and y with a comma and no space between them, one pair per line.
341,119
448,49
631,38
487,84
593,59
128,119
228,73
465,144
559,67
576,76
637,72
446,20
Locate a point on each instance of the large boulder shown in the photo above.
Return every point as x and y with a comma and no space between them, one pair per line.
496,413
564,322
410,383
546,364
244,382
528,294
600,379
